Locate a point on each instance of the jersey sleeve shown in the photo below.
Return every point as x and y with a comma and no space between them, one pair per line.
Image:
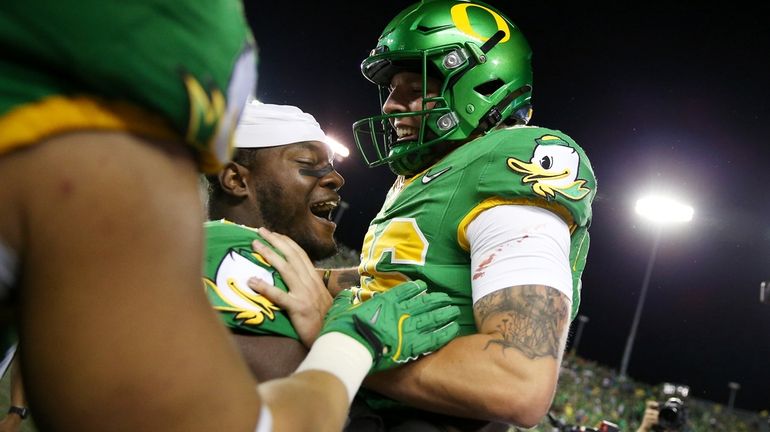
542,167
229,263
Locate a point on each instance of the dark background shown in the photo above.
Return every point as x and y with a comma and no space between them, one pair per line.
663,98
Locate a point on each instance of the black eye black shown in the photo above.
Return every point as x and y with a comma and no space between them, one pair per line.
546,162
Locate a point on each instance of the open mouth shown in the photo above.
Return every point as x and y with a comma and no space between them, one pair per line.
324,209
405,133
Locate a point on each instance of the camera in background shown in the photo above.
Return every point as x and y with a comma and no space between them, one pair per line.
672,414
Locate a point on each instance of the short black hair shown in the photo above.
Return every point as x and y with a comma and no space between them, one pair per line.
242,156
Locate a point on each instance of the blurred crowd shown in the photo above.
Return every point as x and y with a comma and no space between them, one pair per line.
589,393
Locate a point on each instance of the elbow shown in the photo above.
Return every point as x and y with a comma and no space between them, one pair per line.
523,406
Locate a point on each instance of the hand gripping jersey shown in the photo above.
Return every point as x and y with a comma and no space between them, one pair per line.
420,231
169,70
229,263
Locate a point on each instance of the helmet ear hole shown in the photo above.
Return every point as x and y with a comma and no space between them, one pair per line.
490,87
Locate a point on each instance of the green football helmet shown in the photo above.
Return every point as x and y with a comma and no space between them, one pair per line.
482,61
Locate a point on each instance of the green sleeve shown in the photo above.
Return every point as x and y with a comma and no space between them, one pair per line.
228,264
543,166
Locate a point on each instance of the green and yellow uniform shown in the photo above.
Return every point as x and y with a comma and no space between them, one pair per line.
229,263
170,70
420,232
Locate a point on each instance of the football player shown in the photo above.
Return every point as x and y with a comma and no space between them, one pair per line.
485,208
107,113
281,179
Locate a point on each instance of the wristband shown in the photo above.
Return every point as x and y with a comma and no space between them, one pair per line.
19,411
342,356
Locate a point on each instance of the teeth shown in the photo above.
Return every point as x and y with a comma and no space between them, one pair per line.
324,209
325,204
404,131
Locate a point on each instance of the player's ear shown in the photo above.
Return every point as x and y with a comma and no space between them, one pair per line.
232,178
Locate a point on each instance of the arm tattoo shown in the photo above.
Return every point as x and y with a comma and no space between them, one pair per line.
348,278
529,318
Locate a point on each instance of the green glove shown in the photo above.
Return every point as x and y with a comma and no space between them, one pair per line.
396,326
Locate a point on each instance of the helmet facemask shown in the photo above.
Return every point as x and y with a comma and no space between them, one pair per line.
475,93
436,118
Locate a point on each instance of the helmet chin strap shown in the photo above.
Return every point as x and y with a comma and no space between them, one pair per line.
493,117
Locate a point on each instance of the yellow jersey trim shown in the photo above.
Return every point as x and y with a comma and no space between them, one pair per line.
31,123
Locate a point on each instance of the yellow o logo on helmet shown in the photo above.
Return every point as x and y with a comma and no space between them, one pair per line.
461,20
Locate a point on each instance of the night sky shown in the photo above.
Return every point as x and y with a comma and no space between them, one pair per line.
670,99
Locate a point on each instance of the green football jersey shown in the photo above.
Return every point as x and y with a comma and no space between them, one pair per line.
173,70
228,264
420,232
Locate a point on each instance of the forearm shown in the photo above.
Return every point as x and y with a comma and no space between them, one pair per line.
322,388
12,421
340,279
473,376
321,409
270,357
17,387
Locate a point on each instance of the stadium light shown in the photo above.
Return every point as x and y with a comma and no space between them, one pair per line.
662,211
339,148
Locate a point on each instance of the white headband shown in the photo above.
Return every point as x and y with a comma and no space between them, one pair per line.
268,125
